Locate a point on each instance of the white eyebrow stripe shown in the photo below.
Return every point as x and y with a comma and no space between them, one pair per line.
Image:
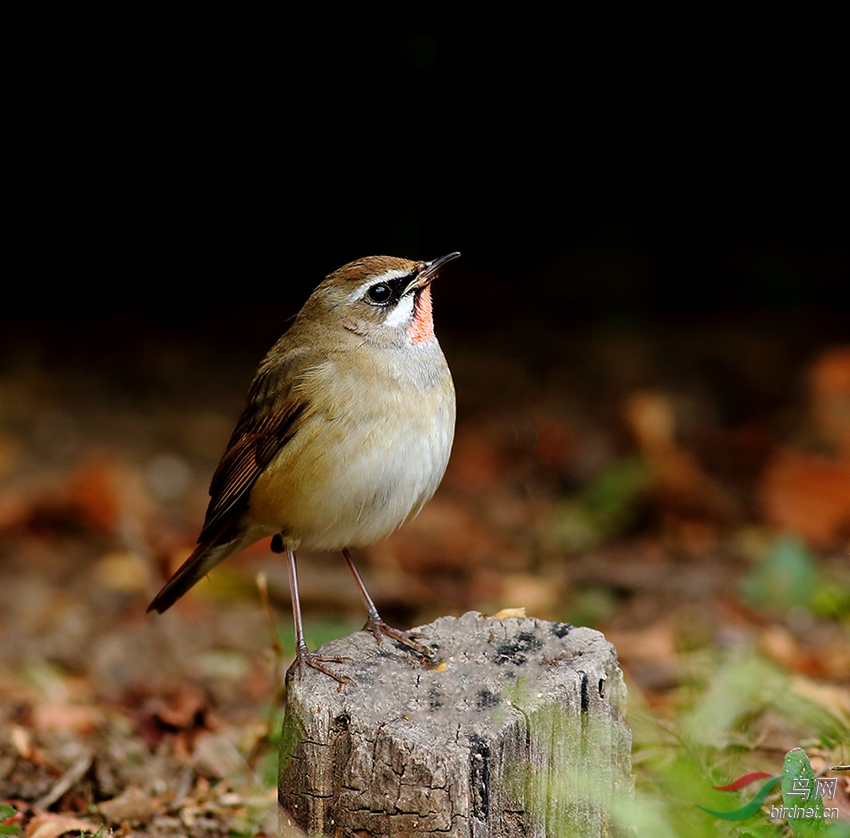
386,276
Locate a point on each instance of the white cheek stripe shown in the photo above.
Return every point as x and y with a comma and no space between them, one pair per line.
401,314
384,277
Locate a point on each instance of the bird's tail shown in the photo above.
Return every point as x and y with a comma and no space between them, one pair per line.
206,556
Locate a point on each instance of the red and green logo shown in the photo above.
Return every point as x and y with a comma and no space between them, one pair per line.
803,793
754,805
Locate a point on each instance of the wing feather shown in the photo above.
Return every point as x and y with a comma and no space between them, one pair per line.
271,418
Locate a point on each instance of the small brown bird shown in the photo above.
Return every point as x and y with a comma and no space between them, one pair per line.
346,434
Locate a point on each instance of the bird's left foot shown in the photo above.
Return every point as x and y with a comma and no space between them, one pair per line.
304,657
378,627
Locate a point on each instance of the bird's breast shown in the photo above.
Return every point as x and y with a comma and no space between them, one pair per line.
371,451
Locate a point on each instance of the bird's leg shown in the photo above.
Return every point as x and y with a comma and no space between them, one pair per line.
302,653
375,624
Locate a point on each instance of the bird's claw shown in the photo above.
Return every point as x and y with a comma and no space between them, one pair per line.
305,656
378,627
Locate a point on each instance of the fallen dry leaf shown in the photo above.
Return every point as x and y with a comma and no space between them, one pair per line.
509,612
59,717
131,805
829,387
809,495
22,740
181,708
216,756
52,826
681,484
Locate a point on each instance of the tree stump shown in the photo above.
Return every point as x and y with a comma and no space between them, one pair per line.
518,732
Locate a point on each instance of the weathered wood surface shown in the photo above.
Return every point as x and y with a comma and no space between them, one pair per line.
521,733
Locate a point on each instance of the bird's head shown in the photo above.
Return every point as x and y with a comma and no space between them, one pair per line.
382,299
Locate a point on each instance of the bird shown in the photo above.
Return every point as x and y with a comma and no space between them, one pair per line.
345,436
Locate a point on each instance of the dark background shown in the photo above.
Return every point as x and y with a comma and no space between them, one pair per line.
206,174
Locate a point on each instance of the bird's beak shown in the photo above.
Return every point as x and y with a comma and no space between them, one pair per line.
426,272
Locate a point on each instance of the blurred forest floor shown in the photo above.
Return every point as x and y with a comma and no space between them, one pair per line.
684,489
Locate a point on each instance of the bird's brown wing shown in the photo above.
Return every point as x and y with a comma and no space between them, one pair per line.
272,417
270,420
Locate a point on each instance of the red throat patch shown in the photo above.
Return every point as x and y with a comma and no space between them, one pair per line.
421,328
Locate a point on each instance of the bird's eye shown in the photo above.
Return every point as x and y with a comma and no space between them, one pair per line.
380,293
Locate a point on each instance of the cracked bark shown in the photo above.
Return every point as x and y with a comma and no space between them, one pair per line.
522,734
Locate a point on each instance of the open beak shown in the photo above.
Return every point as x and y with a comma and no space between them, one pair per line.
426,272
